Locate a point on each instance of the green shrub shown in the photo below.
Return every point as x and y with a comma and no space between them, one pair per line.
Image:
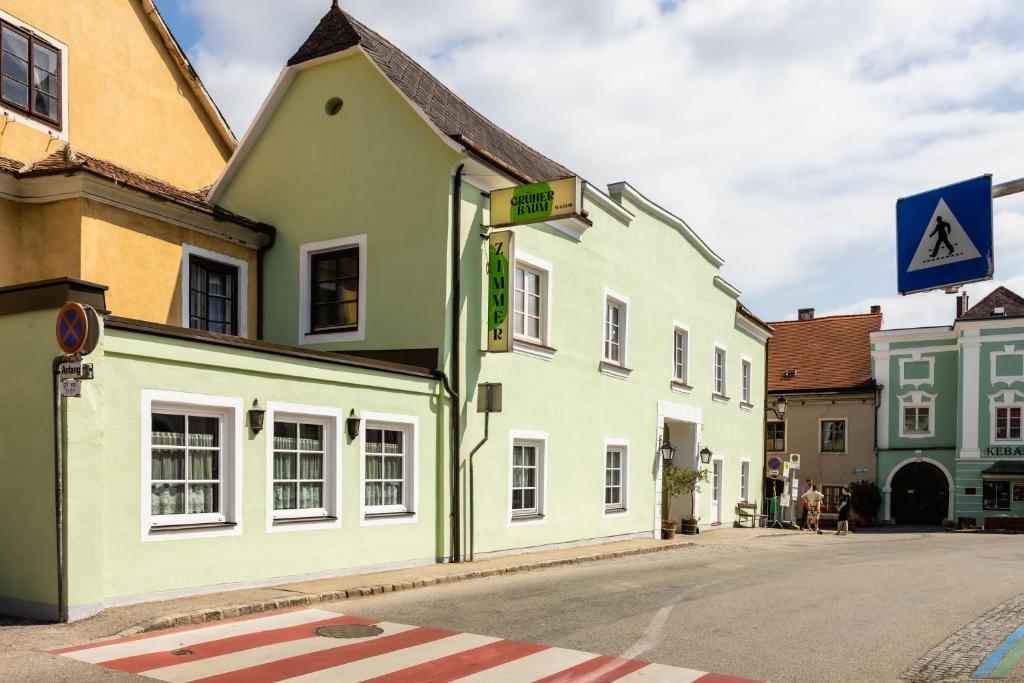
865,498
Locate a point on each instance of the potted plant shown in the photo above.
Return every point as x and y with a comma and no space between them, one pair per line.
865,499
675,482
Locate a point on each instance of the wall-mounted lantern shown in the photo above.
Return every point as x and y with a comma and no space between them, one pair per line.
256,417
779,408
666,450
352,425
705,455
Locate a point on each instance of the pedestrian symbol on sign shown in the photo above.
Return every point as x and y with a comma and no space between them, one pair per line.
944,241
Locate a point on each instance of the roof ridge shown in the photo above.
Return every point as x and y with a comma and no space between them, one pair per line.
826,317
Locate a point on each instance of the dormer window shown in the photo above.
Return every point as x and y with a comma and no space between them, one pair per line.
30,75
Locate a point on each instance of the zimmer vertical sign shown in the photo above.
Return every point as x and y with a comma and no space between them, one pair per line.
500,261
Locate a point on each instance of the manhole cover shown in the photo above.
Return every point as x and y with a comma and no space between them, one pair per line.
348,631
182,653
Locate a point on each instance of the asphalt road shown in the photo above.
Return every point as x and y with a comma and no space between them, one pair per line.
784,608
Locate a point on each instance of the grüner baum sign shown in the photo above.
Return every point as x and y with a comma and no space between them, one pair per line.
500,257
536,203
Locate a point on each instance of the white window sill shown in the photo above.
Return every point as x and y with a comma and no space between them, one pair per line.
613,512
719,398
184,531
533,349
916,436
680,387
375,518
527,519
614,370
746,407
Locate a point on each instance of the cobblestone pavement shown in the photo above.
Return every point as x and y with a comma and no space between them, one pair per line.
963,652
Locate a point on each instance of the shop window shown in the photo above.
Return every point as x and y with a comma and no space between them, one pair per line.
615,478
775,436
30,75
833,436
1008,423
995,495
332,294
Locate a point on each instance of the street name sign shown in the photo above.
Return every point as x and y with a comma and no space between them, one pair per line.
944,236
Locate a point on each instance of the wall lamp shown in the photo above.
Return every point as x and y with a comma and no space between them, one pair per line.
779,408
705,455
666,450
352,425
256,416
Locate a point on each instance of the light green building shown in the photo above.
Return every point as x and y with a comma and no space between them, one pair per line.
949,417
372,310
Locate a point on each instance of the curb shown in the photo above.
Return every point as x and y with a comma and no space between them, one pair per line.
207,615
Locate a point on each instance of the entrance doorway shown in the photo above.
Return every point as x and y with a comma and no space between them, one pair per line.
920,494
716,492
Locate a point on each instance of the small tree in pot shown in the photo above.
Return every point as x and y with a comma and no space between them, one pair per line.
675,482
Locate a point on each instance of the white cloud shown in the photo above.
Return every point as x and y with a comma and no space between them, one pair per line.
782,130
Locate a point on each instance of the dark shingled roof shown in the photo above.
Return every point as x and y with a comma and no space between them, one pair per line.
10,164
69,160
1013,305
339,31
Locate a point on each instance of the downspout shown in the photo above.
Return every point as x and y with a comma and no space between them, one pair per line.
58,490
472,498
259,283
456,502
764,433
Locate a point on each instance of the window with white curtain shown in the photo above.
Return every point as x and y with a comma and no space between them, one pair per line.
186,465
526,471
387,477
300,484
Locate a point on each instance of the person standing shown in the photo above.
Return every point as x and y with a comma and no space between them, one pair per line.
843,527
803,518
813,499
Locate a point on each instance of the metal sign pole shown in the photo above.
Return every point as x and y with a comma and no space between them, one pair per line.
1009,187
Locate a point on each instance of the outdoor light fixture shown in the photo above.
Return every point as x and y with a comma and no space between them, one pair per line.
352,425
780,408
256,417
705,455
667,450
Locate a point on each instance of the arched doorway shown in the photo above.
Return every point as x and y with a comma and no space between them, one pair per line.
920,494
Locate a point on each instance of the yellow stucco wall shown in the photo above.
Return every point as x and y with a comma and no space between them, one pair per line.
127,100
140,259
39,241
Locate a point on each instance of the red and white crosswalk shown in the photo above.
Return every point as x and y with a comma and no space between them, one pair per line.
285,647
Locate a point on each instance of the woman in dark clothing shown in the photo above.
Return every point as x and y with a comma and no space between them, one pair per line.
844,513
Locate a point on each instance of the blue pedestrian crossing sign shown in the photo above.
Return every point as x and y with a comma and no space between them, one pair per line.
944,236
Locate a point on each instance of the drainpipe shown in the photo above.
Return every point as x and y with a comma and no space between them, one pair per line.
456,502
58,490
764,432
472,497
259,283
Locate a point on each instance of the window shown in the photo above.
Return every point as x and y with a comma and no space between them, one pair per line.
720,371
744,480
916,420
31,73
833,496
615,478
614,323
332,290
299,476
185,474
745,371
213,296
775,437
388,466
681,355
1008,424
833,436
995,495
525,462
335,288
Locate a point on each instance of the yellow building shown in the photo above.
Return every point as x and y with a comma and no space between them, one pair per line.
106,150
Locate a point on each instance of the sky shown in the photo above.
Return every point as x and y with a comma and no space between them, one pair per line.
782,131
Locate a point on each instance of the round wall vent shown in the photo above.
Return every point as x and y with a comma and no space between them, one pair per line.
333,106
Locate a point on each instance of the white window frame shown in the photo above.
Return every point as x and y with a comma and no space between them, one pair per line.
331,419
63,132
846,435
746,381
545,270
189,250
716,393
745,479
917,399
229,410
306,252
622,302
409,511
678,327
916,357
540,441
621,445
1008,350
785,435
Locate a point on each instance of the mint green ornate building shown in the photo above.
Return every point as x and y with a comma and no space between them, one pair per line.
949,421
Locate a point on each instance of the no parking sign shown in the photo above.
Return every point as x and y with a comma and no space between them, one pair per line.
78,329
